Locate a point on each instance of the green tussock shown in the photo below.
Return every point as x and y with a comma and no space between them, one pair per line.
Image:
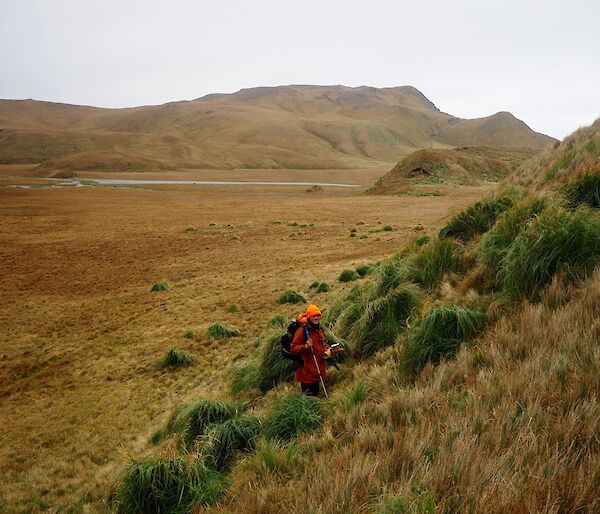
348,318
356,293
585,190
222,441
382,319
189,334
496,242
420,501
320,287
353,397
292,415
273,366
273,458
220,331
433,260
171,486
363,269
232,308
290,296
278,321
387,275
244,378
331,315
475,220
558,241
177,359
348,275
422,240
387,228
438,335
159,286
192,420
560,164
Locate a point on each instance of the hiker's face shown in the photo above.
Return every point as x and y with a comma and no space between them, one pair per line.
315,320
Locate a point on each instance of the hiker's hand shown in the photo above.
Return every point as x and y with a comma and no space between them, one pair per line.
327,353
308,344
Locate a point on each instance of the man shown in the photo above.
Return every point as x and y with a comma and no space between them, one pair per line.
310,345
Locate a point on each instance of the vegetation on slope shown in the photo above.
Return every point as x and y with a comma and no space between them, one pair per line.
465,165
456,406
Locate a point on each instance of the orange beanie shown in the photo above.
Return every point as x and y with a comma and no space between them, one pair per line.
312,310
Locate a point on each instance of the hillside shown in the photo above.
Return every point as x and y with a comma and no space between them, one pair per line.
471,384
318,127
466,165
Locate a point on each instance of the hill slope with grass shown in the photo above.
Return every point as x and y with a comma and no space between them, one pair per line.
471,381
466,165
275,127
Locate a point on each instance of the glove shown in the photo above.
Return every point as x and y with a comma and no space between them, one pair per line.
308,344
327,353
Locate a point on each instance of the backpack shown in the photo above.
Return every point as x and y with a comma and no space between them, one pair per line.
286,341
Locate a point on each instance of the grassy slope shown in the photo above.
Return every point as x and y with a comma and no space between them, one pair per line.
467,165
290,127
510,424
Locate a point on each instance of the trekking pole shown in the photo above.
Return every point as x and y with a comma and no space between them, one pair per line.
312,350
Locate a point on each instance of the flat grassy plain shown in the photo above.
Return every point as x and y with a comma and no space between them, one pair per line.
82,337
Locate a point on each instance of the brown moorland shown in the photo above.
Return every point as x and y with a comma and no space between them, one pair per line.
82,336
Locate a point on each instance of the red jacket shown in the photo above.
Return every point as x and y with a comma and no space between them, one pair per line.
307,373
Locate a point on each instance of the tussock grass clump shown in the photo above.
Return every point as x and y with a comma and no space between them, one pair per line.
348,275
278,321
223,440
347,318
177,359
170,485
382,319
331,315
290,296
497,240
475,220
320,287
353,397
387,228
292,415
273,366
244,378
233,308
219,331
363,269
439,334
584,190
420,501
192,420
323,287
159,286
189,334
387,275
428,266
274,459
557,241
422,240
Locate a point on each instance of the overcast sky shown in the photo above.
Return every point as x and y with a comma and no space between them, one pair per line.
539,60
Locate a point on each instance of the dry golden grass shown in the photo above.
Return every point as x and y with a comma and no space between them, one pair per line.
510,425
82,336
466,165
310,127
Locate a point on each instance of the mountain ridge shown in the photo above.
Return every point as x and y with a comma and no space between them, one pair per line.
299,126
